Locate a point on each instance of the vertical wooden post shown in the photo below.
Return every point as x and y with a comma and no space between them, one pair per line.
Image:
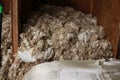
15,24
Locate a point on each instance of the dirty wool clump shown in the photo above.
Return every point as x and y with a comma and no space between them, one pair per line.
6,47
10,68
53,33
62,33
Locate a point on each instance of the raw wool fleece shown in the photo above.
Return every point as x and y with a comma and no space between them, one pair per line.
55,33
62,33
6,47
10,69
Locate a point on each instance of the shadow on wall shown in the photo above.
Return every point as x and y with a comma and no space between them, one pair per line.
118,52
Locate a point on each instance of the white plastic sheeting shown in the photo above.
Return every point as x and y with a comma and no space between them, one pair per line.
75,70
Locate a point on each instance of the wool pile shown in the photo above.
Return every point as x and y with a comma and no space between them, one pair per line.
62,33
53,33
6,47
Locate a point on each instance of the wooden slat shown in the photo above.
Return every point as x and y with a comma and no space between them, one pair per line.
15,24
116,24
108,13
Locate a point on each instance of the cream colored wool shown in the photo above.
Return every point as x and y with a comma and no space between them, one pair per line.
54,33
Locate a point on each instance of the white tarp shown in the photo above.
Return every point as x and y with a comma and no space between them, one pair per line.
75,70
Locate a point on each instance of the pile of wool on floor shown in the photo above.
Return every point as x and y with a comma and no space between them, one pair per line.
62,33
53,33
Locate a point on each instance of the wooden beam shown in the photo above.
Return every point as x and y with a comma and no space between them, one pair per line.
15,24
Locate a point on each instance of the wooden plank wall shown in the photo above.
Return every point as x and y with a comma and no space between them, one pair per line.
108,13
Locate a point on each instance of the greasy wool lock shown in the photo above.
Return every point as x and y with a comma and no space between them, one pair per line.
53,33
62,33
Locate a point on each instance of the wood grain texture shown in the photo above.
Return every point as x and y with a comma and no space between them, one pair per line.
15,24
108,13
116,25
